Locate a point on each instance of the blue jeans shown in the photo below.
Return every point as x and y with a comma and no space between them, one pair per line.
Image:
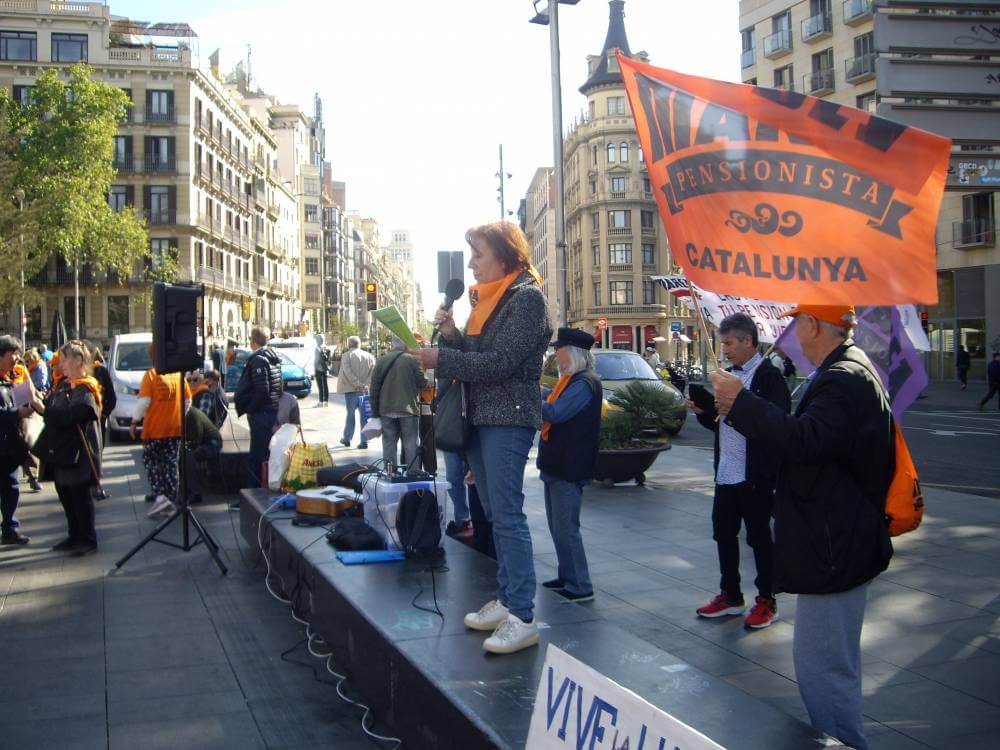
497,456
455,469
826,649
562,509
10,493
261,428
351,400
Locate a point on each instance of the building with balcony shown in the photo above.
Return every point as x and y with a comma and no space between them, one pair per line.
400,249
539,222
339,282
186,160
615,239
831,54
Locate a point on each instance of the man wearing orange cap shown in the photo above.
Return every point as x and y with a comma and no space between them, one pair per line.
830,536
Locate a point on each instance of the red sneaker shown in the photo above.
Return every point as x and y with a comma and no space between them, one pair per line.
722,605
763,613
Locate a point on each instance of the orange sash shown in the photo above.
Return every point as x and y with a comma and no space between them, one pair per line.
91,383
485,297
556,393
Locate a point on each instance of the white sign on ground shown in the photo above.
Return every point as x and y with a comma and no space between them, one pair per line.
578,707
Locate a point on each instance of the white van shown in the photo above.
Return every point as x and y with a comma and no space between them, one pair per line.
300,349
127,362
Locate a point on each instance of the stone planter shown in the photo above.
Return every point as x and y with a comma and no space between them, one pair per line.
621,465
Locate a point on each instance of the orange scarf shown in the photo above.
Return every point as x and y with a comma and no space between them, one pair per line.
200,389
556,393
56,370
485,297
90,383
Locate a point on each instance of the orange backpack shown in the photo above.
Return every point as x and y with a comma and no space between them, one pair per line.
904,501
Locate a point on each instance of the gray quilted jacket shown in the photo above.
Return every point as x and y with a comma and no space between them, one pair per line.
502,366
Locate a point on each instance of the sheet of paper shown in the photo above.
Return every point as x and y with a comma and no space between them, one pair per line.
22,394
391,319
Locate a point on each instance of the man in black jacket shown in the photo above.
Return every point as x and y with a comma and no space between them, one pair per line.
837,460
257,394
744,480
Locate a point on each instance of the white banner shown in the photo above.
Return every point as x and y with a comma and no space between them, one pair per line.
714,307
578,707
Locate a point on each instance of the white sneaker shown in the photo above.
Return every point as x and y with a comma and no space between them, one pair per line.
488,617
161,505
513,634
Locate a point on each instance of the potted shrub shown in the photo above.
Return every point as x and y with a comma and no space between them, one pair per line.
632,433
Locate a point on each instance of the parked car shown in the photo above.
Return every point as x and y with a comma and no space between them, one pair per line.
294,377
617,368
127,361
300,349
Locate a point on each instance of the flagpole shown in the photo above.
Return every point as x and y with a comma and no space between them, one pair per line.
704,327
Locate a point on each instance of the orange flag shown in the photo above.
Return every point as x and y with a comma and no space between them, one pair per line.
774,195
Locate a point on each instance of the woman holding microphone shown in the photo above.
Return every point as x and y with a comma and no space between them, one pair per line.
499,358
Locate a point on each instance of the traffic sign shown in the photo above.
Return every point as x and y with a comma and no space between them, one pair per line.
602,322
676,326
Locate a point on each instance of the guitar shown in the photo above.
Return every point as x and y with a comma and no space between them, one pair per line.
327,501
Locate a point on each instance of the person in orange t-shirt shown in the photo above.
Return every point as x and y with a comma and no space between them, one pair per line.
159,411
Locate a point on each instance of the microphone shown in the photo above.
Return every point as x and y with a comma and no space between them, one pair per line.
452,291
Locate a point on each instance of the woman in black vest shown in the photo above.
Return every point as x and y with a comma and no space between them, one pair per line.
571,430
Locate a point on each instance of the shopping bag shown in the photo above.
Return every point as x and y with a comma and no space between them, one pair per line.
371,430
305,459
280,447
365,407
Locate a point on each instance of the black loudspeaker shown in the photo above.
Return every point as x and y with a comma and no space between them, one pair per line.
175,327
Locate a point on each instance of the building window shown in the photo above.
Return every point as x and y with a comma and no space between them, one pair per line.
160,248
312,266
617,185
159,106
612,152
646,220
620,293
595,221
18,45
69,48
623,153
648,293
312,213
160,204
118,197
310,185
866,102
616,105
312,242
646,187
978,219
648,254
619,219
620,253
22,95
117,315
312,293
597,293
160,153
784,78
593,187
70,318
747,53
596,249
593,155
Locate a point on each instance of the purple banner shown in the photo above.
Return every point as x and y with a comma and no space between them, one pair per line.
881,334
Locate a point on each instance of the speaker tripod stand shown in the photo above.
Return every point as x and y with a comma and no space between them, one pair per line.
169,333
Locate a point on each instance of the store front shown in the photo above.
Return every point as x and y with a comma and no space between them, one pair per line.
959,319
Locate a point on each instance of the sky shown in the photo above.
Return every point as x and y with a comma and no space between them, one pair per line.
418,95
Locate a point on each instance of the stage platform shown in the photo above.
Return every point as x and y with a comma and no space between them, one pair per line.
431,681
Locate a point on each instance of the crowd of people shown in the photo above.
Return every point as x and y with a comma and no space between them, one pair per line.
806,484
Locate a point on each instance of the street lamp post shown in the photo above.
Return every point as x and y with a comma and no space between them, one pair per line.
550,18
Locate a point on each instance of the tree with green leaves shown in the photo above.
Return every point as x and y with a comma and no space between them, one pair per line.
56,151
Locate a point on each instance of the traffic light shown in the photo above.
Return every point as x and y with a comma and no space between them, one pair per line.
924,322
371,296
